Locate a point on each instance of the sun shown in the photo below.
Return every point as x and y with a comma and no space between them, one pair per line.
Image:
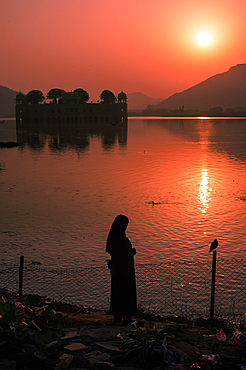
204,39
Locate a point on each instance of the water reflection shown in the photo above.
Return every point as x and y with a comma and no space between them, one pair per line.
204,191
61,137
221,135
55,203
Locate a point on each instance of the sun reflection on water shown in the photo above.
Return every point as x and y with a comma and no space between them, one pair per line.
204,191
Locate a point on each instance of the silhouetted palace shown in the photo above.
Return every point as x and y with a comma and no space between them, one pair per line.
69,109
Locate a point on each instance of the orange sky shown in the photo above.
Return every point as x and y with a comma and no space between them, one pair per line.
132,45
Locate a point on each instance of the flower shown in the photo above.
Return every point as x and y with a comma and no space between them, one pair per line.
18,305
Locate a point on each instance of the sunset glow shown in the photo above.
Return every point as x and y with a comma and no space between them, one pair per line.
204,39
135,46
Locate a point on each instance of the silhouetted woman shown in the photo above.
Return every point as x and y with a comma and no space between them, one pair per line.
123,285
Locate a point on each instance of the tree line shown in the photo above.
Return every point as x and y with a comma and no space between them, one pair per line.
36,96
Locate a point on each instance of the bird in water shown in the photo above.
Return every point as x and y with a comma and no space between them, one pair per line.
214,245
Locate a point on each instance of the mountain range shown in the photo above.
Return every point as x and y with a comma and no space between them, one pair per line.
140,101
225,90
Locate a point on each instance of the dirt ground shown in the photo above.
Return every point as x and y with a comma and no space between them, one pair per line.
77,316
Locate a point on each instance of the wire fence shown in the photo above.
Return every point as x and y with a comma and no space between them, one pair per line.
178,288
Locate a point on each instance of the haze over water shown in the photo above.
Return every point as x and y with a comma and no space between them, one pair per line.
60,194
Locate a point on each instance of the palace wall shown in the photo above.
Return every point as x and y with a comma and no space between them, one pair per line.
71,112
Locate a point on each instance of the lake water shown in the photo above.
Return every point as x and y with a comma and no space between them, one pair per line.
181,182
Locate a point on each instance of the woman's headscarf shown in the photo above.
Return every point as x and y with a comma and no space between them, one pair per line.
117,230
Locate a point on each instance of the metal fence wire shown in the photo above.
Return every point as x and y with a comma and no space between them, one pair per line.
177,288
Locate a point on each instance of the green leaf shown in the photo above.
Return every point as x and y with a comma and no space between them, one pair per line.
17,325
157,351
64,342
51,362
30,349
33,364
34,299
40,354
21,358
9,316
48,313
51,344
29,311
36,326
23,333
48,336
40,322
40,339
56,320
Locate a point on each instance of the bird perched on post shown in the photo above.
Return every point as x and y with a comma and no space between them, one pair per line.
214,245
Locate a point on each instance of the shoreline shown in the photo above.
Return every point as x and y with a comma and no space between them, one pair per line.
152,115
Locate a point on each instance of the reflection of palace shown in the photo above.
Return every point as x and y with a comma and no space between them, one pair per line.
71,123
74,135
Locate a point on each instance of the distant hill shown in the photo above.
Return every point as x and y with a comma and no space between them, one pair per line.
140,101
7,102
226,90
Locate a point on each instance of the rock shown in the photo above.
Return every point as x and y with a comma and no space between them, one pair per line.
193,352
109,348
78,363
98,356
72,335
211,342
99,365
6,364
117,360
65,360
129,368
76,348
231,352
91,334
102,350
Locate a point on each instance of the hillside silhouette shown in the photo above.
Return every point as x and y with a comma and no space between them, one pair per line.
226,90
140,101
7,102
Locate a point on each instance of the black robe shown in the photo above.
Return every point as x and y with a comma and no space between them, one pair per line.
123,284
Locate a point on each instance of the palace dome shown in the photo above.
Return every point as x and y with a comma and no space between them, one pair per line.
20,96
122,96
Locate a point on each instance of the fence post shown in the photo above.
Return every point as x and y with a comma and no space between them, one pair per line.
21,277
213,286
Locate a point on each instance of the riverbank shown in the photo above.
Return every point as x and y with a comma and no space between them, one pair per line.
94,342
97,343
177,114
